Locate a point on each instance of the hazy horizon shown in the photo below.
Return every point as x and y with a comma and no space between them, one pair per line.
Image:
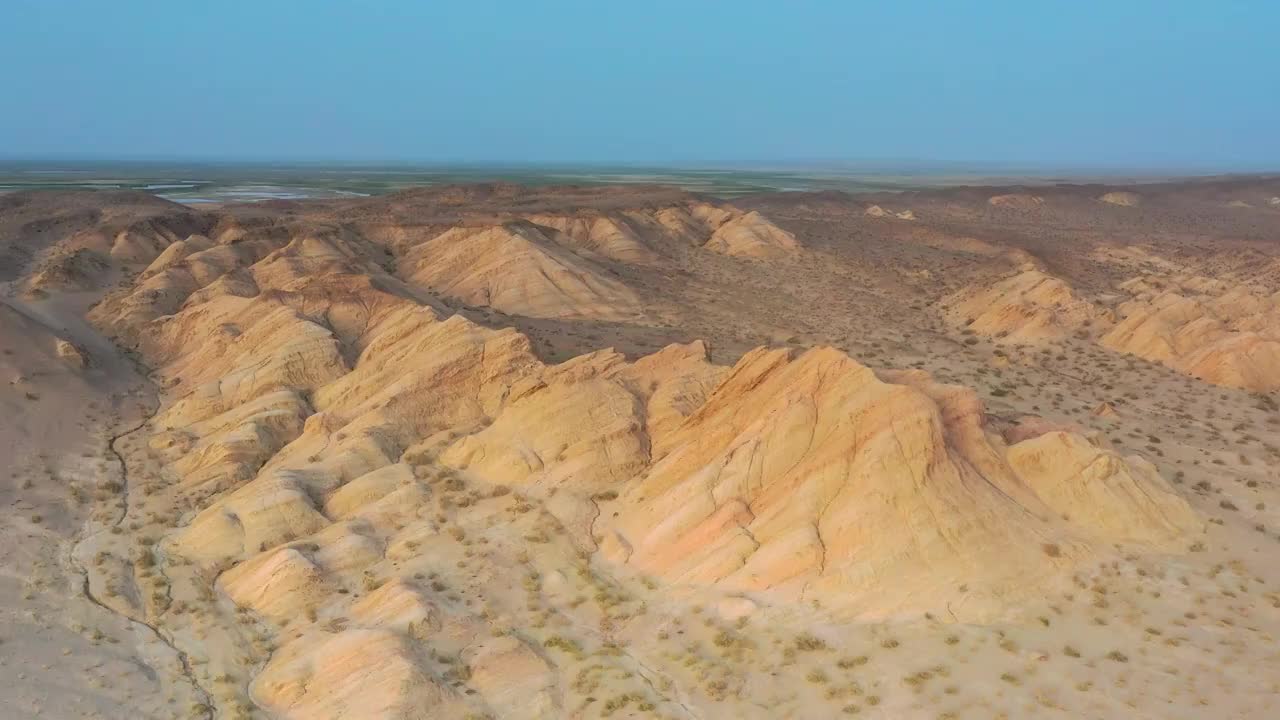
199,183
86,163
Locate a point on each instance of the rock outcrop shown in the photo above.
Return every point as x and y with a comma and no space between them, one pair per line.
810,477
1016,200
72,354
878,212
1124,199
337,438
1221,331
751,235
1226,336
517,269
1028,307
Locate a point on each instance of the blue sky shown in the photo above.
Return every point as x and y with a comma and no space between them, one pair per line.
1048,84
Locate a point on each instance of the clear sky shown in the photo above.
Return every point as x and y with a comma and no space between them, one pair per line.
1121,83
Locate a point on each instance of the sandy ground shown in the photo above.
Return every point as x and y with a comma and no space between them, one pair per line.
63,654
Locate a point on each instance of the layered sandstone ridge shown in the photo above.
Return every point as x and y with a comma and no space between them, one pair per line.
343,446
1225,331
1122,198
1029,307
1016,200
803,475
539,263
1220,332
876,211
815,478
635,226
637,236
70,241
517,268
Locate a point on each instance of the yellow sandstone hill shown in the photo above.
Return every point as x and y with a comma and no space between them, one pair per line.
811,477
751,235
1124,199
622,238
1028,307
1226,335
517,269
797,443
1016,200
639,236
537,264
74,241
339,441
878,212
1222,332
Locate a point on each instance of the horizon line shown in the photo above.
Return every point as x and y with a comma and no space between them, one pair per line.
867,165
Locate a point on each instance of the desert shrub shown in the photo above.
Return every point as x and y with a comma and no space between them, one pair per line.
808,642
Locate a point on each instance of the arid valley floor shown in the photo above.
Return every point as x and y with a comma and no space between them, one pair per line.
492,451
